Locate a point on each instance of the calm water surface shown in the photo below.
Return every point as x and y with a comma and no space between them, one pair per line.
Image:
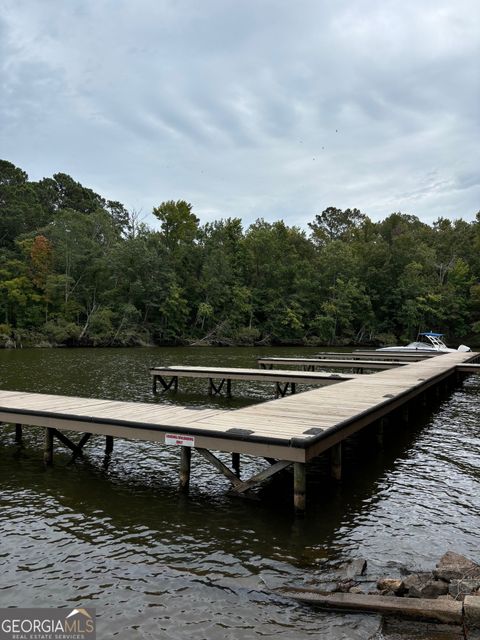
116,535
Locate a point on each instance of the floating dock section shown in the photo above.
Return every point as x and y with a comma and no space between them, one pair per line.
313,364
220,377
289,431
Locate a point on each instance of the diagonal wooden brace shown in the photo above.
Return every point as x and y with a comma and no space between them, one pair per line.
281,391
76,448
214,389
173,382
217,389
239,486
262,476
218,464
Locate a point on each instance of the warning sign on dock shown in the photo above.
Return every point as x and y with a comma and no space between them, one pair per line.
175,438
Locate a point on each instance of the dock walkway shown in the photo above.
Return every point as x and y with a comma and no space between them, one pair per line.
358,365
284,380
409,356
291,430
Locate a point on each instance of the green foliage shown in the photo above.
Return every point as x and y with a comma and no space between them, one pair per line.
179,225
335,224
60,331
174,313
100,328
78,269
20,209
62,192
247,336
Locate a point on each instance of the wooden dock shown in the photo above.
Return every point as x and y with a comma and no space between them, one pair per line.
221,377
358,365
408,356
371,354
290,431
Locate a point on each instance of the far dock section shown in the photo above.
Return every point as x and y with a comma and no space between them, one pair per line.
406,356
220,378
357,365
288,432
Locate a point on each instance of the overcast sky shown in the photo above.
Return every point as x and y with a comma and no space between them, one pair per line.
249,108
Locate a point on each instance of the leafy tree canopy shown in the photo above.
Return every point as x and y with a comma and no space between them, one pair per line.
76,268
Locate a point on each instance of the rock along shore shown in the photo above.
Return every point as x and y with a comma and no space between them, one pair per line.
450,594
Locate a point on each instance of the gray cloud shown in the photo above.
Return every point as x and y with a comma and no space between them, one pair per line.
271,108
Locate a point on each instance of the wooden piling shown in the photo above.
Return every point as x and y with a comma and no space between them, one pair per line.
108,445
299,487
236,463
424,400
380,432
185,463
48,450
18,434
336,461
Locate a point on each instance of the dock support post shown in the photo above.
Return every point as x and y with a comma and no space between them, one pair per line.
236,464
108,445
424,400
18,434
48,450
154,384
336,461
229,388
210,386
299,487
380,431
185,463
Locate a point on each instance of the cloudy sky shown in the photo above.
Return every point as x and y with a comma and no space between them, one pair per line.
249,108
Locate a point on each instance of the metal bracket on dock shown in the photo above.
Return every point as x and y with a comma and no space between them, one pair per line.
215,390
282,390
173,382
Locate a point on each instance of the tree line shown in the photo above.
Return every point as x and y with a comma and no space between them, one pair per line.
77,269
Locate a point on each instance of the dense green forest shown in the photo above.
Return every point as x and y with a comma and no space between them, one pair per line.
76,269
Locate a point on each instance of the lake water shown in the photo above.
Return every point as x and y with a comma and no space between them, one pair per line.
155,564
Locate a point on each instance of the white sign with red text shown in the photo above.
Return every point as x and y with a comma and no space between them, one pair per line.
177,439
